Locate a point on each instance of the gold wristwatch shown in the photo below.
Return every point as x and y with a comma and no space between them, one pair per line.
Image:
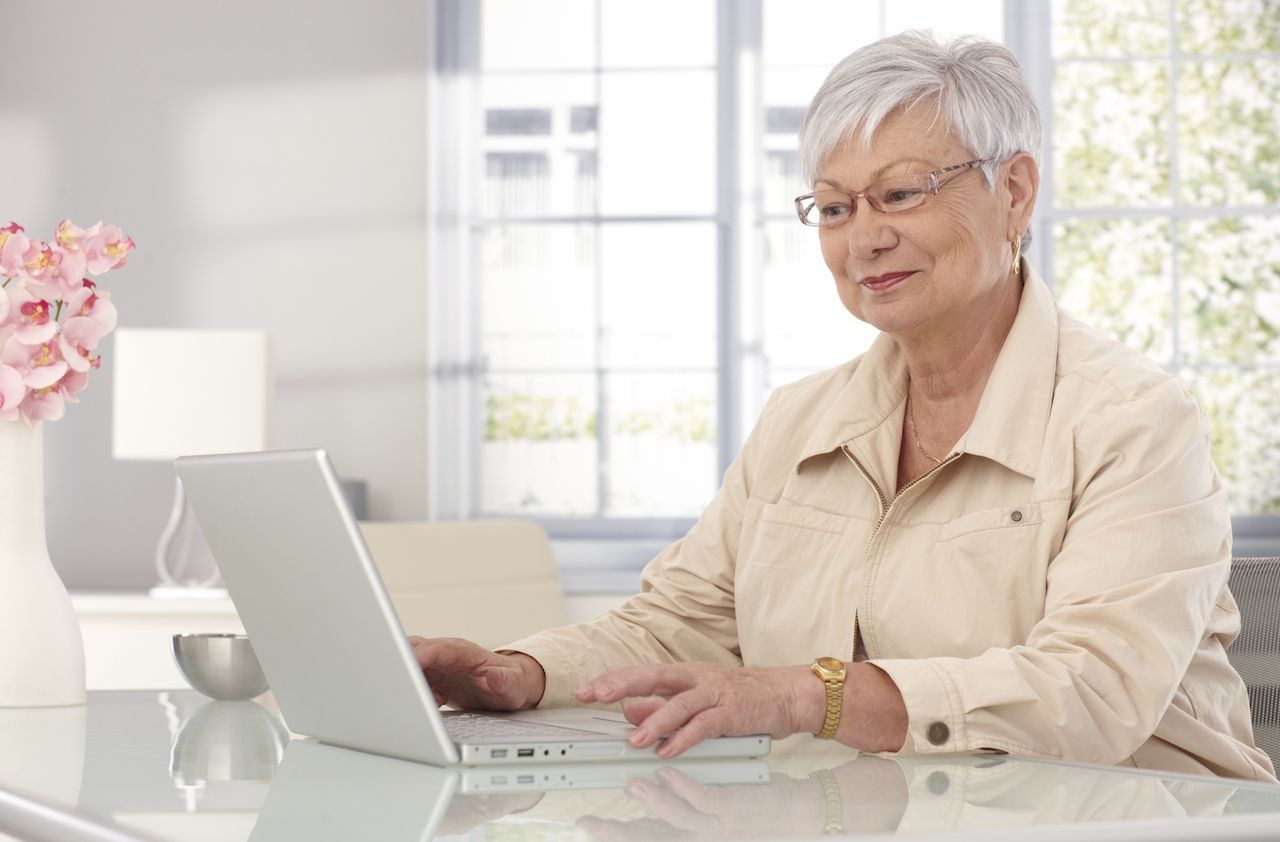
831,671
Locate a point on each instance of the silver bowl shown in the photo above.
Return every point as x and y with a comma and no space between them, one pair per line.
219,665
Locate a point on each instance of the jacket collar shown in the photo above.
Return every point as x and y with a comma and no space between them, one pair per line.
1012,416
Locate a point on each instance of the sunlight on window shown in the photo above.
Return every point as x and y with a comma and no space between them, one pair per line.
1175,156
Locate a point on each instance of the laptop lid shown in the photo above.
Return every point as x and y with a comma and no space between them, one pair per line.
296,567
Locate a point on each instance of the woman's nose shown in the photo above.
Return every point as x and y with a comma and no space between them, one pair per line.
869,233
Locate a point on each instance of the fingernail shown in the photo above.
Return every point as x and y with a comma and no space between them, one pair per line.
638,736
665,750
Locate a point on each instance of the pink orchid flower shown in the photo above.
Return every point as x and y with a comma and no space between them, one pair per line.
30,318
13,245
12,391
72,238
72,384
80,336
107,249
43,405
41,366
92,303
56,271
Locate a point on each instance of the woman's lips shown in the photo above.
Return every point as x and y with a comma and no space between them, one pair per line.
880,283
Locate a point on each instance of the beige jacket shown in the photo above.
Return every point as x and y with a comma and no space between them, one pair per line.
1056,588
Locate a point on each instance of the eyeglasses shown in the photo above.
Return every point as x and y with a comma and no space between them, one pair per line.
827,208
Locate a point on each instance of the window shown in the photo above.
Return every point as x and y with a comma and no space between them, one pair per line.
1163,201
619,279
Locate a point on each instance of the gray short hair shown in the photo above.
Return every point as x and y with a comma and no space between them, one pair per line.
976,86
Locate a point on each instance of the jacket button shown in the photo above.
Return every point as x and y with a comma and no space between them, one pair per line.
938,733
1016,516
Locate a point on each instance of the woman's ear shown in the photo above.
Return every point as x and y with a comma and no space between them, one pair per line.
1023,183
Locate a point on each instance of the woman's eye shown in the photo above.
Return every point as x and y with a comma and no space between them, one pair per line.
834,211
900,196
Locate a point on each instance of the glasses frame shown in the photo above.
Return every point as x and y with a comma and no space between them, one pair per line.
935,186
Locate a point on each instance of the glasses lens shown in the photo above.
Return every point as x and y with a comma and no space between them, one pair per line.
900,194
827,207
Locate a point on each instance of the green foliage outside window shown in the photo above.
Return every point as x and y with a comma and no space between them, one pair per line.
1167,130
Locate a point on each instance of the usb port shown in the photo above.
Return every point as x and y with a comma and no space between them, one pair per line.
524,752
524,779
498,752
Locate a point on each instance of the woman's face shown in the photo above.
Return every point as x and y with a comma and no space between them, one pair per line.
934,268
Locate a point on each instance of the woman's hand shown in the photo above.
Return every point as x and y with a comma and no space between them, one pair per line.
470,677
700,701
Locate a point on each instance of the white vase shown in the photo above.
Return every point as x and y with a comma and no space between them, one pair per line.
41,650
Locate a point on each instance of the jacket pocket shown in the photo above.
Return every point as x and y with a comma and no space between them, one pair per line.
1005,518
792,536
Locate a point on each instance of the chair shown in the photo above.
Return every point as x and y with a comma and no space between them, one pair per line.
1255,583
491,581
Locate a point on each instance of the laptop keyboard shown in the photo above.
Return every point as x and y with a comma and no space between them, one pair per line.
468,726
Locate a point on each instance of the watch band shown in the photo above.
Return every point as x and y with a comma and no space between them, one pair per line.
835,700
831,672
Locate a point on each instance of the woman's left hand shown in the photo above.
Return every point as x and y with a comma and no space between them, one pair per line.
695,702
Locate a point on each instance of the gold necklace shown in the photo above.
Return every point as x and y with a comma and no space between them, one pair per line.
911,422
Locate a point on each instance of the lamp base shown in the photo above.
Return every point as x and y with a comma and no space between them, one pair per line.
187,592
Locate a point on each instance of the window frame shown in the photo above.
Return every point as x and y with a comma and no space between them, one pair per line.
455,407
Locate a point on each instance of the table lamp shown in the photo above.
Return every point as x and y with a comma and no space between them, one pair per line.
183,392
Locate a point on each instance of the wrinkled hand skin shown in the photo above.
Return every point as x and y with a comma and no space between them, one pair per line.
696,702
470,677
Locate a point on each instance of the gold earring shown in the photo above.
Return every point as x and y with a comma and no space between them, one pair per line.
1017,254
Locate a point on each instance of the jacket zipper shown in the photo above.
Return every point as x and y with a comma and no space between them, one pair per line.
884,502
884,513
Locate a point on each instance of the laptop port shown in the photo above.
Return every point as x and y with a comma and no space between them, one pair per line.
524,752
524,779
498,752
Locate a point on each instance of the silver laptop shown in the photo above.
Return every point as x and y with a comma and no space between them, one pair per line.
305,587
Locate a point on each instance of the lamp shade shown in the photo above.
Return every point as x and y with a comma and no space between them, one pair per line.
180,392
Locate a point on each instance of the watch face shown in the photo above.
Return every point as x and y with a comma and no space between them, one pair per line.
832,664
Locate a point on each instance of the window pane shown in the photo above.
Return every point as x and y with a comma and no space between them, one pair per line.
657,143
659,295
539,452
1211,27
1230,286
537,296
658,33
662,443
1245,431
514,34
1228,132
817,32
540,145
947,18
1091,28
786,97
1111,134
1115,274
806,327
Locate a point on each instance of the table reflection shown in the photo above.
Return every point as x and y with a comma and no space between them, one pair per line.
225,741
189,768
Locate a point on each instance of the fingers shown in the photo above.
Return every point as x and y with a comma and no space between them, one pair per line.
677,713
637,712
630,682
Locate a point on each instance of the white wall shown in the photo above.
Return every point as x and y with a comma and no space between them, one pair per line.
269,160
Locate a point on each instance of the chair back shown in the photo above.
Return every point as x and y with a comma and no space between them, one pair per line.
490,581
1255,583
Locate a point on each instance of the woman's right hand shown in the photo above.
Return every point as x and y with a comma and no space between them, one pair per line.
470,677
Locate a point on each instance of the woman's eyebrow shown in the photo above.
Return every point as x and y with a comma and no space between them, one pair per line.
875,176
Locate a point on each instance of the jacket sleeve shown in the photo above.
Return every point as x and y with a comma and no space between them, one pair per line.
1129,598
685,609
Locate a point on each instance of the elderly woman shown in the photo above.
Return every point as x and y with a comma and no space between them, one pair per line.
995,530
